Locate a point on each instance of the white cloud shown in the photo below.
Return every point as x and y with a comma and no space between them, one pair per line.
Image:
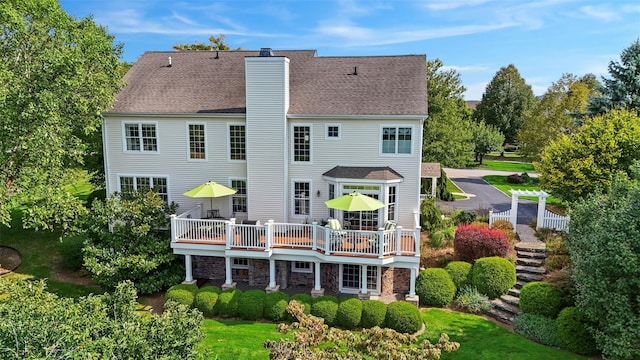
601,12
452,4
475,90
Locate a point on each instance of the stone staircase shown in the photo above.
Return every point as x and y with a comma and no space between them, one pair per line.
529,267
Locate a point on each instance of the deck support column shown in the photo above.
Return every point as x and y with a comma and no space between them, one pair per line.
188,276
317,289
363,278
411,296
228,282
272,277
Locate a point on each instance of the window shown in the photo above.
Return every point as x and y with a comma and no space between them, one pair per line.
129,184
350,279
197,144
396,140
301,267
332,131
332,195
301,198
239,199
391,204
365,220
240,263
237,142
301,144
140,137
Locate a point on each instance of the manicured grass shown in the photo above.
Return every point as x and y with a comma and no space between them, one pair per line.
452,188
227,339
499,181
517,167
481,339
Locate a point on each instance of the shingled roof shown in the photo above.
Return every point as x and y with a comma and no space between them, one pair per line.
363,172
214,82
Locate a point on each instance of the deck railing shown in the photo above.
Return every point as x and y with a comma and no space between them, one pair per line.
313,237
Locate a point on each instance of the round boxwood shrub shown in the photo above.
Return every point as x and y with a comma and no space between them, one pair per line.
205,301
540,298
251,305
435,287
189,287
403,317
538,328
227,304
493,276
373,313
572,331
459,272
325,307
181,296
210,288
349,313
304,299
275,306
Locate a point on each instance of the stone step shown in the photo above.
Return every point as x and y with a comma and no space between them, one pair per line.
527,277
530,269
531,246
520,284
511,300
515,292
530,261
506,307
531,255
502,316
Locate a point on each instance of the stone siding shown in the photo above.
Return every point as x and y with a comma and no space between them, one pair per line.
208,267
330,277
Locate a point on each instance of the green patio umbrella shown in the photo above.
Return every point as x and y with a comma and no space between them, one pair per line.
210,189
354,201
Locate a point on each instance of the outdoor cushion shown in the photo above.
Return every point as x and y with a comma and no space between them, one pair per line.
334,224
389,225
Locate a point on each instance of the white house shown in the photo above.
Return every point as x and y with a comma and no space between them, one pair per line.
289,130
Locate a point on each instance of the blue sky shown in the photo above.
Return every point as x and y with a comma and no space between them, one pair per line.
543,39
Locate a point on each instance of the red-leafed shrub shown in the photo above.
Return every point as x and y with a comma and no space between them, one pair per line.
473,242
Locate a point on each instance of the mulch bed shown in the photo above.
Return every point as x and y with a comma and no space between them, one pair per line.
10,259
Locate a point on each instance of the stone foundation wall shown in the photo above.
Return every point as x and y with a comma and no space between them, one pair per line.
282,273
301,279
207,267
401,280
330,277
258,272
386,279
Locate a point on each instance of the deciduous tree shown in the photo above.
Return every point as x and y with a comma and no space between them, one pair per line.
57,74
215,43
506,103
486,138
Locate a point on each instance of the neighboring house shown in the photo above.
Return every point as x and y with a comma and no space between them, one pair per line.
289,130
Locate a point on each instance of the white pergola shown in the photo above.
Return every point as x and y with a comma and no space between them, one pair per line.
542,202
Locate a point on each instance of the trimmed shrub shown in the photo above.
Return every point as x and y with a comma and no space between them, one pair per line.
561,280
435,287
181,296
556,262
205,301
325,307
506,227
493,276
70,248
275,306
573,333
459,272
349,313
251,305
540,298
473,242
192,288
373,313
210,288
304,299
471,300
403,317
538,328
227,304
463,216
556,245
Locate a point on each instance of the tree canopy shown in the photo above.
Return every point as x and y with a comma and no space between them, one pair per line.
447,135
215,43
506,103
486,138
57,73
578,164
622,91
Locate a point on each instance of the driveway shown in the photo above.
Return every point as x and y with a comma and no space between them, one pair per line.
483,196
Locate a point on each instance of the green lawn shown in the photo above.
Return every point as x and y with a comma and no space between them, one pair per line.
499,181
452,188
515,166
228,339
481,339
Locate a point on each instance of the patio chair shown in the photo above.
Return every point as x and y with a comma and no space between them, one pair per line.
388,225
336,232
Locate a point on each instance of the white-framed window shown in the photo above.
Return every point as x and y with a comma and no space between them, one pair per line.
301,143
130,183
365,220
237,142
332,195
350,278
301,198
332,132
239,199
140,137
240,263
396,140
391,203
302,267
197,141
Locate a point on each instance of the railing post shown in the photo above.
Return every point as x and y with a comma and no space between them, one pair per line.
229,229
416,235
398,235
490,218
327,240
314,234
381,241
268,242
174,223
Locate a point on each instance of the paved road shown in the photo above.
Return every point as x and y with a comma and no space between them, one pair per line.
483,196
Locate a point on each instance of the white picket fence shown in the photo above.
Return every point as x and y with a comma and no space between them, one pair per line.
503,215
554,221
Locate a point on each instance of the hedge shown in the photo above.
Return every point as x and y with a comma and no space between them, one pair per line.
205,301
540,298
538,328
403,317
459,272
373,313
493,276
349,313
325,307
275,306
251,305
435,287
227,304
472,242
181,296
210,288
304,299
573,333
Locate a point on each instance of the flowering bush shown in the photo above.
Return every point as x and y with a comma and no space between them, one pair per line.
473,242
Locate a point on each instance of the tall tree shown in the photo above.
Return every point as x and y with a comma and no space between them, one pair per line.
215,43
622,91
486,138
559,112
578,164
57,74
447,135
506,103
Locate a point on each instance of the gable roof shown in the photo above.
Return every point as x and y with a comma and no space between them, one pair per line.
214,82
363,172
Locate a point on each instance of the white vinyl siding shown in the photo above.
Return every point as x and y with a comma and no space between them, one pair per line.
197,141
141,137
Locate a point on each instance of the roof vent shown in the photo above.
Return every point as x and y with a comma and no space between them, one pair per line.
169,65
266,52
